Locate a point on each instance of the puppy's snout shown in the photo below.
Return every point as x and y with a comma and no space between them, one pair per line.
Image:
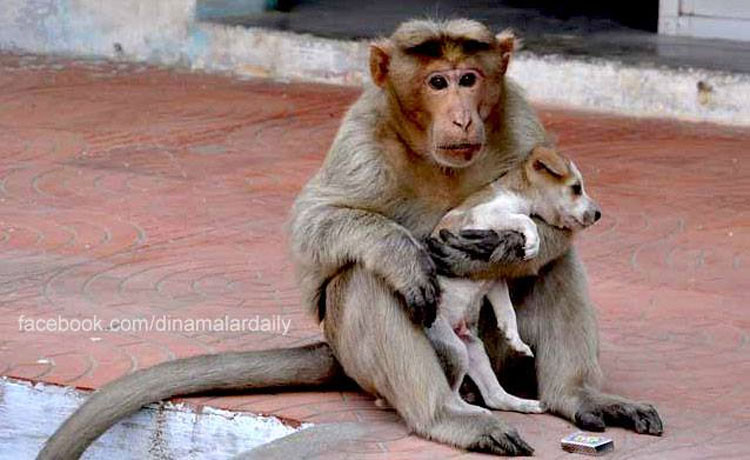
591,216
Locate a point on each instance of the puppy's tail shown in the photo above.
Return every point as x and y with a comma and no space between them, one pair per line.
312,365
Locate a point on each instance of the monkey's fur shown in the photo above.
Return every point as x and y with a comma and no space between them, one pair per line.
408,151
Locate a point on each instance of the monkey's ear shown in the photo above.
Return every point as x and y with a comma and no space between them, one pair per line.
546,159
380,59
507,44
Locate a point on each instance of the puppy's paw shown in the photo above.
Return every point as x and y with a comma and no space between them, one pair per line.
519,347
533,407
531,240
508,402
531,246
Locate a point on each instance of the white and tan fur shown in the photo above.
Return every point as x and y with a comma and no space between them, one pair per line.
546,185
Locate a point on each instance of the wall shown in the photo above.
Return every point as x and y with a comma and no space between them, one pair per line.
163,32
144,29
729,19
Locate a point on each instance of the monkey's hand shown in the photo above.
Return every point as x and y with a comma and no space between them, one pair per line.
488,254
329,237
416,281
472,252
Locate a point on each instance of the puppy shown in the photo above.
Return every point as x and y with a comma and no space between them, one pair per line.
546,185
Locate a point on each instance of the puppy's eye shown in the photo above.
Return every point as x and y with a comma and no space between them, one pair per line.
576,188
438,82
468,80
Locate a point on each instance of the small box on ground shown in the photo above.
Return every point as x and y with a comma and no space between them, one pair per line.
585,443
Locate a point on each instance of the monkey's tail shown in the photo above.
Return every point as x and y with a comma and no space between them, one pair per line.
312,365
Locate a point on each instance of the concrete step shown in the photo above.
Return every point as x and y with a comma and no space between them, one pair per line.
31,413
612,32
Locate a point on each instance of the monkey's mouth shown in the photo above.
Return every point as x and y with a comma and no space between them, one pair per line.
463,150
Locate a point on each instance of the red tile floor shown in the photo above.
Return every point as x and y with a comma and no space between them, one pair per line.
133,192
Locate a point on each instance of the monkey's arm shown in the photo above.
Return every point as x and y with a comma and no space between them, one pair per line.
327,237
491,254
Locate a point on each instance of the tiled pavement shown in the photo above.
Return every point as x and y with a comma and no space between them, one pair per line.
128,191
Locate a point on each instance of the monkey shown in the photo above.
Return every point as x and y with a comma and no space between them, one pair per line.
439,121
546,185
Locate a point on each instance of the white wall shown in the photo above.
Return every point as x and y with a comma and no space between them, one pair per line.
145,29
164,32
728,19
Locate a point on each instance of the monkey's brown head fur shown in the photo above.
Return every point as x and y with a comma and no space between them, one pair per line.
443,81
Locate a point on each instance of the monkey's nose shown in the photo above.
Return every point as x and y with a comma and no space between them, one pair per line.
462,123
462,120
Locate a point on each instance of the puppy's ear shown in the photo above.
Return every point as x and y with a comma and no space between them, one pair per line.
507,44
547,160
380,59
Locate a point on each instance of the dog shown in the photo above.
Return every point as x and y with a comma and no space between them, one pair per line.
546,185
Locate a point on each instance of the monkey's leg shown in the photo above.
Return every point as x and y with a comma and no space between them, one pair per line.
495,397
389,356
506,317
556,315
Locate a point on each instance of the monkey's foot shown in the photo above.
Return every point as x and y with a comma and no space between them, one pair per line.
502,440
639,417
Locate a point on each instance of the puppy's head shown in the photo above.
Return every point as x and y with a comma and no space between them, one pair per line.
560,197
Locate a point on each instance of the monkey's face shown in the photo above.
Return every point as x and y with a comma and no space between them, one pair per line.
447,102
560,197
443,81
453,101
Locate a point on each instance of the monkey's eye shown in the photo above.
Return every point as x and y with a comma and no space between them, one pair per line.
576,188
438,82
468,80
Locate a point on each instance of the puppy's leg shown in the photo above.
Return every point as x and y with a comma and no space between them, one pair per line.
495,397
556,315
459,406
387,355
499,297
451,351
455,361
